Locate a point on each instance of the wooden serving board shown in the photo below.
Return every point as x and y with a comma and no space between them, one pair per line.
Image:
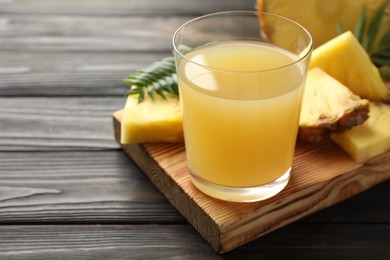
322,175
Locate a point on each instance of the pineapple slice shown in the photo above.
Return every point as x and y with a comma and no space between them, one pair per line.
328,106
152,121
321,18
345,59
369,139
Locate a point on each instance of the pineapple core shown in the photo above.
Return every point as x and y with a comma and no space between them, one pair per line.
369,139
152,121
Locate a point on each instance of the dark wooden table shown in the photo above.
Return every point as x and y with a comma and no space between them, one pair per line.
67,191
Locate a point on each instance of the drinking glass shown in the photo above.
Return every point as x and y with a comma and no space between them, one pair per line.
241,77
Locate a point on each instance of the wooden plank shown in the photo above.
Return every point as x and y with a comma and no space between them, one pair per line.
102,242
63,33
78,187
310,242
27,73
323,175
107,187
122,7
74,123
181,242
57,51
368,207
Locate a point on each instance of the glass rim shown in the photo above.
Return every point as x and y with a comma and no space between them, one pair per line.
306,51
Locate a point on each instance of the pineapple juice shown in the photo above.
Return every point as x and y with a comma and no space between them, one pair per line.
240,114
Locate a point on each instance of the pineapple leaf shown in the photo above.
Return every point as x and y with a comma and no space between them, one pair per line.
385,74
141,95
384,54
361,25
340,28
184,48
150,91
373,29
158,89
381,61
385,41
160,77
134,91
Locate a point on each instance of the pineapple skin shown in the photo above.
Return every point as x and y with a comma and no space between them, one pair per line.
328,107
321,18
345,59
152,121
370,139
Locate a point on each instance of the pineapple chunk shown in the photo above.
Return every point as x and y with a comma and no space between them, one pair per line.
369,139
328,106
152,121
345,59
321,18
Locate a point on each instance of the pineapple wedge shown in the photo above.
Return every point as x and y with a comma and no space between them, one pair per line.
152,121
328,106
369,139
345,59
321,18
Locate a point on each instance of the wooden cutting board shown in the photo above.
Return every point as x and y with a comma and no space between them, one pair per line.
322,175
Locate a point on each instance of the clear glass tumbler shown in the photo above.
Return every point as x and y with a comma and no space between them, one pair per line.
241,77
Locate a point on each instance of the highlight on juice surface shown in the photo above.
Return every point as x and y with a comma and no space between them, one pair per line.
241,96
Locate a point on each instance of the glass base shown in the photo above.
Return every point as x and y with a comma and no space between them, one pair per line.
250,194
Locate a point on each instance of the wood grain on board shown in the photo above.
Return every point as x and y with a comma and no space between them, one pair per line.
322,176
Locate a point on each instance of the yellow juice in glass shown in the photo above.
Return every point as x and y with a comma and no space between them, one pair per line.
240,118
